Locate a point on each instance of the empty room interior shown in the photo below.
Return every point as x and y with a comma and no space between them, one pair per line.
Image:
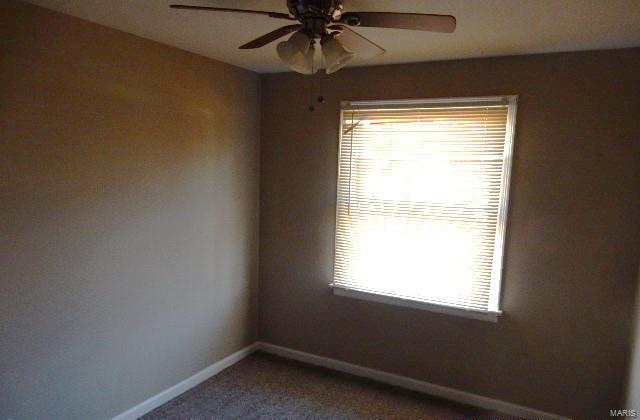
319,209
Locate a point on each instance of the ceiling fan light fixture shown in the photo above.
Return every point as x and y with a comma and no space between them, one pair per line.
335,55
297,53
326,20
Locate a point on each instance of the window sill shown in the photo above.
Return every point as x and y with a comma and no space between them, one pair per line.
491,316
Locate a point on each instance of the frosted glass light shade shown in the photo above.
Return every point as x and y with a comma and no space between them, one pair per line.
335,56
297,52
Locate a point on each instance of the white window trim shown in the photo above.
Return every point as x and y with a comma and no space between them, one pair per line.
493,314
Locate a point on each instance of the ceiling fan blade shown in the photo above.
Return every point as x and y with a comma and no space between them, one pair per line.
415,21
270,37
224,9
356,43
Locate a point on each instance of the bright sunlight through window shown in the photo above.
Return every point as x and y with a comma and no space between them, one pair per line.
422,201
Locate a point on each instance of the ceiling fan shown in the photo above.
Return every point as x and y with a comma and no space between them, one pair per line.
326,22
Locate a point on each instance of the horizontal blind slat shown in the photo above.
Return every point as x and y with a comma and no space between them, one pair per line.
420,183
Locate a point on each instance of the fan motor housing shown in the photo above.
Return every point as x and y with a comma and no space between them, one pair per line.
304,9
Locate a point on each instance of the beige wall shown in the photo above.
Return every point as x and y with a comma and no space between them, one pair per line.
128,215
572,242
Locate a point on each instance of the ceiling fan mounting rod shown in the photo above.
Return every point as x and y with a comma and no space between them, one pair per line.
315,15
328,9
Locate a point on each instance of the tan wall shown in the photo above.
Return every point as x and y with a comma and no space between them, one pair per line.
128,214
572,242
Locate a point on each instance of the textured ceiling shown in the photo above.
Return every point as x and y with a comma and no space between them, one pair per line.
485,27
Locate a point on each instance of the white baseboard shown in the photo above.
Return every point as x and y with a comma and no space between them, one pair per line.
376,375
179,388
409,383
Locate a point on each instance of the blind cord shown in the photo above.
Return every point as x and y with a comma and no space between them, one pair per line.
353,128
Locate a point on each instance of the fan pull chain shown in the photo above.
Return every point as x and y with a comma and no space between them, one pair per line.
320,98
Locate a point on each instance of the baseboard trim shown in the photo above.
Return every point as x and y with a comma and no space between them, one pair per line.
179,388
365,372
409,383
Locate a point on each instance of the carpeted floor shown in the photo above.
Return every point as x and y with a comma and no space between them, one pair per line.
264,386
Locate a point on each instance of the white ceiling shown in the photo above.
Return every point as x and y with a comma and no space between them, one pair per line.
485,27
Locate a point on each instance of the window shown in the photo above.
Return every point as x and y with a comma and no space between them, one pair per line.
422,202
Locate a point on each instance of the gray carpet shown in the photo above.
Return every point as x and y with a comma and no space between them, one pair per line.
264,386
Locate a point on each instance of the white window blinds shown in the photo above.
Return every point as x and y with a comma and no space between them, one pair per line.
422,199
